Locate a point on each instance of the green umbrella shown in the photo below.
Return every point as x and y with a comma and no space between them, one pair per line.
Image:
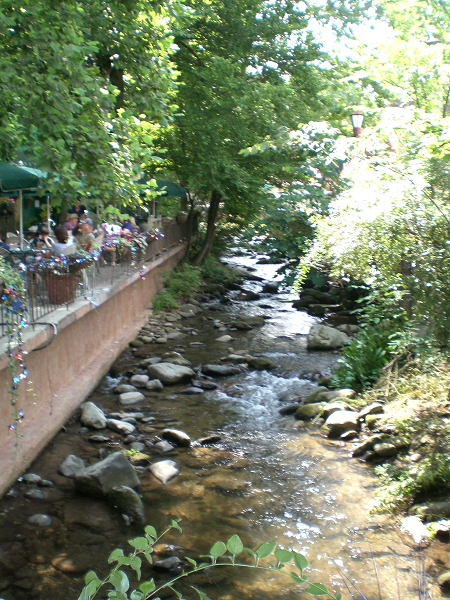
166,188
13,178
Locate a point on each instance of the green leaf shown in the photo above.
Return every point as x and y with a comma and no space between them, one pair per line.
251,552
151,531
174,524
135,595
297,579
140,543
201,595
317,589
266,549
300,561
283,556
147,586
120,581
234,545
135,564
338,596
115,554
218,549
191,561
91,576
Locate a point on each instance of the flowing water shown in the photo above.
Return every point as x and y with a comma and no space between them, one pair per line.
267,480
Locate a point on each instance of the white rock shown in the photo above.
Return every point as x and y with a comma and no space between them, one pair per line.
165,470
224,339
131,398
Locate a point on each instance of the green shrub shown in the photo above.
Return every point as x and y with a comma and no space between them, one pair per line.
363,360
216,272
183,281
164,301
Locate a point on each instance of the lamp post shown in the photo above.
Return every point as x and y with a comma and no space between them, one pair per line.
357,119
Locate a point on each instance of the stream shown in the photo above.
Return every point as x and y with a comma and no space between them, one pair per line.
269,478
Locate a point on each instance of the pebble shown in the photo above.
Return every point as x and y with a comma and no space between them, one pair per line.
31,478
40,519
138,446
99,439
35,494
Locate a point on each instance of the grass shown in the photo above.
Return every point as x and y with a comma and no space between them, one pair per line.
180,284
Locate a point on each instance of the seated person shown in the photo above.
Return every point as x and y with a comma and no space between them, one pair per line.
61,245
129,224
83,233
72,220
42,241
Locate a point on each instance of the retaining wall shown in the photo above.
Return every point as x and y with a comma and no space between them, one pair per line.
88,341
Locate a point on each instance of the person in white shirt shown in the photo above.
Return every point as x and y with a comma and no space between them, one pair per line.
61,246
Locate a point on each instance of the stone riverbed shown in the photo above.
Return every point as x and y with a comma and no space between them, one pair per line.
232,463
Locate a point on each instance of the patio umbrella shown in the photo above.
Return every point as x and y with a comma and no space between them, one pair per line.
14,178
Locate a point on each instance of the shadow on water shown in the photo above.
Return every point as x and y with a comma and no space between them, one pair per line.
267,479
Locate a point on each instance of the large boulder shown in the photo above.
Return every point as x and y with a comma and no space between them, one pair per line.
260,363
335,395
128,502
332,407
220,370
169,373
321,337
341,421
309,411
255,321
241,325
92,416
101,477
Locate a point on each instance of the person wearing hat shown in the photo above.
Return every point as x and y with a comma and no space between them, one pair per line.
72,220
83,233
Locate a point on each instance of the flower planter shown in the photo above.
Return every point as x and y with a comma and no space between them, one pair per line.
181,219
166,221
61,287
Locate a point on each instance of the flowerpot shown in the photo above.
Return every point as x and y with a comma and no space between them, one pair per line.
61,287
181,218
166,221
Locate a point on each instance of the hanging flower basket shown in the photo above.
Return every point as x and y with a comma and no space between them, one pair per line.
61,287
166,221
76,267
181,218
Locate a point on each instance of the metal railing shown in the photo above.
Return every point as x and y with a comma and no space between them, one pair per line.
48,290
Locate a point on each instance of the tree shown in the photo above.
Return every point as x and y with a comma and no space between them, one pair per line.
80,86
247,68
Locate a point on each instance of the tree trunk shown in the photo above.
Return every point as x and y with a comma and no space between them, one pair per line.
211,228
190,224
